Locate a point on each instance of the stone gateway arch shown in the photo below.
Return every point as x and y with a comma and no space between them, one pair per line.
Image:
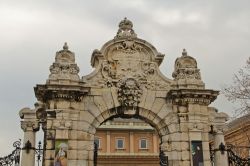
126,83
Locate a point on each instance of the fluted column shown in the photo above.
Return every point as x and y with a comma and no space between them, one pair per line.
28,155
220,157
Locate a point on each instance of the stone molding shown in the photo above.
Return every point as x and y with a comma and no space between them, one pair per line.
192,96
53,92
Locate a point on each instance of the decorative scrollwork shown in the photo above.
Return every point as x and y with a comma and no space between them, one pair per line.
14,157
129,46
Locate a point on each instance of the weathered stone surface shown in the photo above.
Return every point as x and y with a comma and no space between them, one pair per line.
82,135
185,146
62,134
158,104
82,154
149,99
100,103
72,144
185,155
108,98
86,116
72,154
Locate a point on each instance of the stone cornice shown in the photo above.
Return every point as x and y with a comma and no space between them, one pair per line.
64,92
192,96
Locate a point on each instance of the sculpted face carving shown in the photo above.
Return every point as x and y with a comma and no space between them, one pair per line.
129,92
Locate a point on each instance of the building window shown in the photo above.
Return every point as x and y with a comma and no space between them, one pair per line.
143,143
119,143
98,142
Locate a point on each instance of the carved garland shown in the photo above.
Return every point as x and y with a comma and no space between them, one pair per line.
184,73
65,71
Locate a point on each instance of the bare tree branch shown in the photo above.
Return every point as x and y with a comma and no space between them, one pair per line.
239,90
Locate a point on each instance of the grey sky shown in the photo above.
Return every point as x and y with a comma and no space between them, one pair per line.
216,33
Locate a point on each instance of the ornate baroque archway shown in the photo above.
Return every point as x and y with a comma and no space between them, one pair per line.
126,82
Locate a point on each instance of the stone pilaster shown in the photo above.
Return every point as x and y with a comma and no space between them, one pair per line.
155,143
131,142
28,155
220,157
218,119
108,142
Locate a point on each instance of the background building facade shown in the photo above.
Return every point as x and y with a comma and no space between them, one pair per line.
127,142
238,135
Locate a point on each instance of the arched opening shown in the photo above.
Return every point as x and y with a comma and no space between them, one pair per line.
128,137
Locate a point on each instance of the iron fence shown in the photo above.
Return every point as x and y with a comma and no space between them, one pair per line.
12,159
237,155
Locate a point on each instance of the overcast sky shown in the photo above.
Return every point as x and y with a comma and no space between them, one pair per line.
215,32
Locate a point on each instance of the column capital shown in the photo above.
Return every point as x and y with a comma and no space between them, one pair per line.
30,126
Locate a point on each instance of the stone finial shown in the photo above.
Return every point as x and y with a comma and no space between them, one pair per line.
125,29
65,46
126,24
64,70
186,72
184,52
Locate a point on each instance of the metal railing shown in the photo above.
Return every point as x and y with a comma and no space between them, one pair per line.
14,157
235,155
